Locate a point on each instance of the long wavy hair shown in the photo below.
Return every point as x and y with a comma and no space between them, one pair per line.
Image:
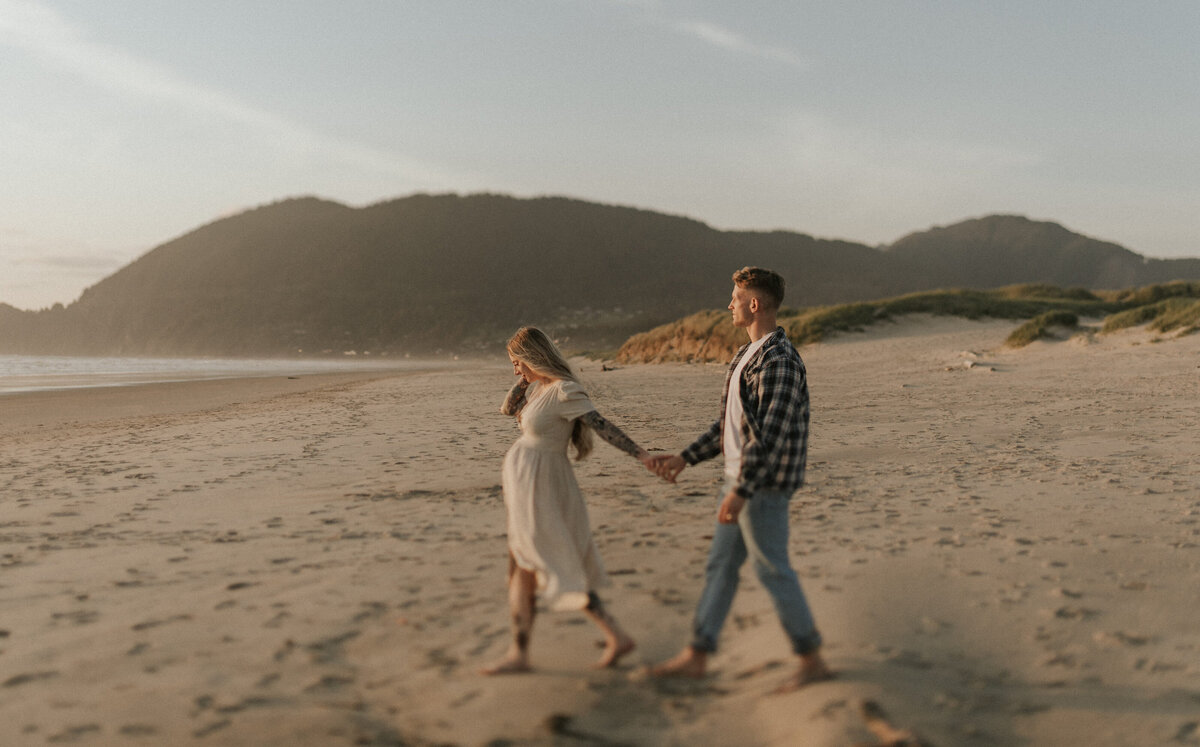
532,347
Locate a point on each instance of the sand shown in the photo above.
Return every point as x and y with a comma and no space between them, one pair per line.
1001,547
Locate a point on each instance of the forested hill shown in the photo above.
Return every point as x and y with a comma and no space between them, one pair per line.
450,273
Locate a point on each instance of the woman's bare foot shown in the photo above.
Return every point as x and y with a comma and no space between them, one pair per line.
511,664
689,663
812,669
613,651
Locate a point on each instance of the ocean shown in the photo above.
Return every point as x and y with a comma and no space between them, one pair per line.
22,373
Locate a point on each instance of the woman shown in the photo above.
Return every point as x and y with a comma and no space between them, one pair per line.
551,550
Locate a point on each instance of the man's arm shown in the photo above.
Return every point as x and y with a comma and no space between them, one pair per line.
707,446
780,408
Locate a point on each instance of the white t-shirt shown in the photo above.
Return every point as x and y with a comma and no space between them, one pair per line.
732,440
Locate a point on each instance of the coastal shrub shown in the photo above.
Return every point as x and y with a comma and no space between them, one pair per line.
1167,314
1164,316
1151,294
1041,290
1180,316
1134,317
705,335
708,335
817,324
1040,326
1013,302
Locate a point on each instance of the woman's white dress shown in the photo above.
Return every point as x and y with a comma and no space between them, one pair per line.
548,528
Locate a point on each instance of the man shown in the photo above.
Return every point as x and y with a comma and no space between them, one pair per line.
763,433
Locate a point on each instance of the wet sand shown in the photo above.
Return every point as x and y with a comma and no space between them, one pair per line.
1000,546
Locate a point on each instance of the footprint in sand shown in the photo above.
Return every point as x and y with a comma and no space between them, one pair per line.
24,679
74,733
1066,593
329,683
147,624
328,650
1075,613
1060,659
216,726
1120,638
78,617
371,610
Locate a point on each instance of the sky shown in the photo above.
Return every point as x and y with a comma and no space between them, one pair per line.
127,123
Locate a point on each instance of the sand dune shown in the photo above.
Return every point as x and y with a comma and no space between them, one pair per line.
1000,546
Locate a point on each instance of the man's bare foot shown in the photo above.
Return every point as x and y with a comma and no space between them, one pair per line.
613,652
812,669
511,664
688,663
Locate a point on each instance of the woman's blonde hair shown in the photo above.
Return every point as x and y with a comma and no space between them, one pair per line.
532,347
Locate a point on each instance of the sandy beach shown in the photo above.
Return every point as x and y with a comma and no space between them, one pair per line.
1001,547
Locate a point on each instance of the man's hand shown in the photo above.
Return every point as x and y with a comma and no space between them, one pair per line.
667,466
731,507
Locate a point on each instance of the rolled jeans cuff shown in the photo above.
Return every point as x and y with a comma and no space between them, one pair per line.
801,646
807,645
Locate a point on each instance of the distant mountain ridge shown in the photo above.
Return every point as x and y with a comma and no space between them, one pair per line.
451,273
1004,250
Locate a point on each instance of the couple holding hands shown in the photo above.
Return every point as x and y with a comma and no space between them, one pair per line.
762,432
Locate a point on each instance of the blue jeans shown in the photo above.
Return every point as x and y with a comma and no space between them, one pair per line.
761,533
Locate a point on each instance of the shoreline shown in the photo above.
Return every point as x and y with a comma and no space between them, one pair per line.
21,374
50,409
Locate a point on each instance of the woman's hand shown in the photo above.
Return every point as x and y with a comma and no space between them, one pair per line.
515,399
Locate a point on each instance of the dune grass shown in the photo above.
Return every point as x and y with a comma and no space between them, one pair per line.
708,336
1185,317
1163,316
1013,302
1041,326
1151,294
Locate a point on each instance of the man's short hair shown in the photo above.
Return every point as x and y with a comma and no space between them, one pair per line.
767,282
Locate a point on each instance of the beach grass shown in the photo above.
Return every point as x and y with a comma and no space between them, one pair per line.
1041,327
707,336
1163,316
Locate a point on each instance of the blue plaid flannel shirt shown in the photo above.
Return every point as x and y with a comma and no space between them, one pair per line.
774,391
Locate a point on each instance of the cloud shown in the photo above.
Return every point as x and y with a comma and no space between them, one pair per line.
712,34
723,38
49,36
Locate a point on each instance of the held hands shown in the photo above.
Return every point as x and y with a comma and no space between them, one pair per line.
666,466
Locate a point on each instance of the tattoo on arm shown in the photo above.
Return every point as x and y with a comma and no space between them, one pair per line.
515,399
611,433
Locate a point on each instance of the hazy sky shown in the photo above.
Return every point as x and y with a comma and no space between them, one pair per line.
125,123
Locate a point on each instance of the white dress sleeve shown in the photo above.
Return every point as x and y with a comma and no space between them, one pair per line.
572,400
